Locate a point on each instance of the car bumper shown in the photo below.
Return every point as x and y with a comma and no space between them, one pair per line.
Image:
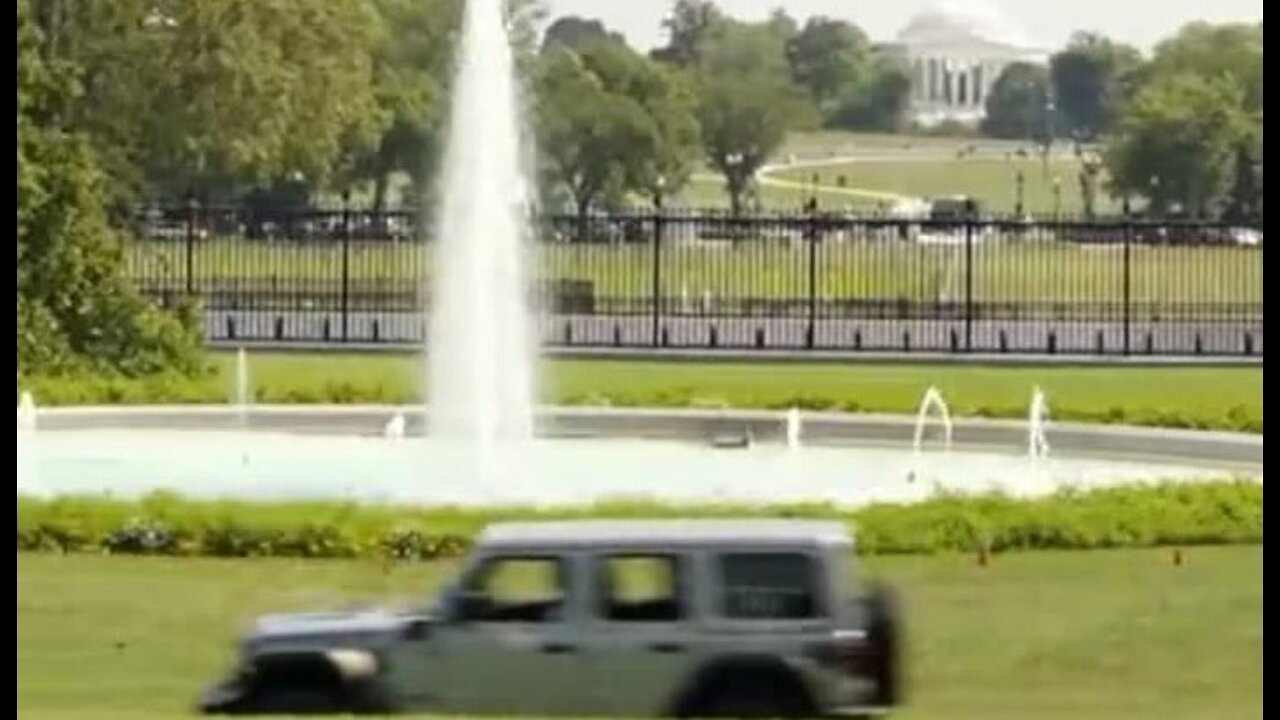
223,698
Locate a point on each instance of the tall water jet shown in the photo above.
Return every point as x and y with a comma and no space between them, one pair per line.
480,345
1037,423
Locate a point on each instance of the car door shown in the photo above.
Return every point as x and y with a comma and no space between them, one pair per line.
639,635
508,644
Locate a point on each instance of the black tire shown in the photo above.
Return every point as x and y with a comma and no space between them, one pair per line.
756,694
884,635
295,701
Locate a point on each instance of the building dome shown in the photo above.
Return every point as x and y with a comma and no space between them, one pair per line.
960,23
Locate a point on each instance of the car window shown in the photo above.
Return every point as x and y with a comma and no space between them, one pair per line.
639,588
769,586
516,589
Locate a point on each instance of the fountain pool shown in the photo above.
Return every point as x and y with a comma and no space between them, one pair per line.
293,461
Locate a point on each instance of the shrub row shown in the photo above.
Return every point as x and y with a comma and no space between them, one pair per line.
166,524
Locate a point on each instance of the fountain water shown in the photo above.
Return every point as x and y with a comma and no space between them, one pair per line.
480,347
242,396
394,429
932,400
26,412
1037,423
27,465
793,428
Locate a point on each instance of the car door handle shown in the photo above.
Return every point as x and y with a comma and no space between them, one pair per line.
558,648
666,647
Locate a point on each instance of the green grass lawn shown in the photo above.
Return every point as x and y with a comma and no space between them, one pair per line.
1221,397
990,177
850,263
1099,635
1202,396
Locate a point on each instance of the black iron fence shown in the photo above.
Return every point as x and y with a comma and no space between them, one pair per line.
803,281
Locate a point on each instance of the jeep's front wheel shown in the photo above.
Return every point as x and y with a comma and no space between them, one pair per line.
884,635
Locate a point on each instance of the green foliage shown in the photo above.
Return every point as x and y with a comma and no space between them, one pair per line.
691,26
827,57
611,121
76,309
747,104
1018,105
166,524
578,33
1092,78
1191,139
1177,143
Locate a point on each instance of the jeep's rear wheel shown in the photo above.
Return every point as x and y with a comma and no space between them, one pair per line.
757,695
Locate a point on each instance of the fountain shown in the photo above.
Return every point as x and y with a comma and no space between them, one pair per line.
27,466
480,417
932,400
242,397
793,428
394,429
1037,422
480,346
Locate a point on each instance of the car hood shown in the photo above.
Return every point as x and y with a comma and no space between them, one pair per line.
354,627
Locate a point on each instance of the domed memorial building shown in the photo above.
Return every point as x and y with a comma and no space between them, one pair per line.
956,51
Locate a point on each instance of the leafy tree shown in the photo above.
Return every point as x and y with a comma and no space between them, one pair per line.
1092,77
214,94
748,103
1018,105
76,309
575,32
829,58
880,100
594,138
1177,143
411,67
1231,53
692,25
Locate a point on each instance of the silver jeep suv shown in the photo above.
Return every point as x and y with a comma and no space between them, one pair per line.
695,618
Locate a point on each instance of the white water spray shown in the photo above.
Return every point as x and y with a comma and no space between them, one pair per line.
931,403
794,428
1037,424
480,343
28,480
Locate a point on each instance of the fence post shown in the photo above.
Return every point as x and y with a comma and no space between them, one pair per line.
968,276
1127,290
346,263
811,331
191,245
655,288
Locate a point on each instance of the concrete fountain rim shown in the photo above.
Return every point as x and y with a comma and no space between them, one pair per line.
716,414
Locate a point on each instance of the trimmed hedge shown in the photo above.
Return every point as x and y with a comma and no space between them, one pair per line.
166,524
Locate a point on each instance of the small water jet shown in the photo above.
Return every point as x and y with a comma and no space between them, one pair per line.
931,402
394,429
242,394
28,467
794,428
1037,424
